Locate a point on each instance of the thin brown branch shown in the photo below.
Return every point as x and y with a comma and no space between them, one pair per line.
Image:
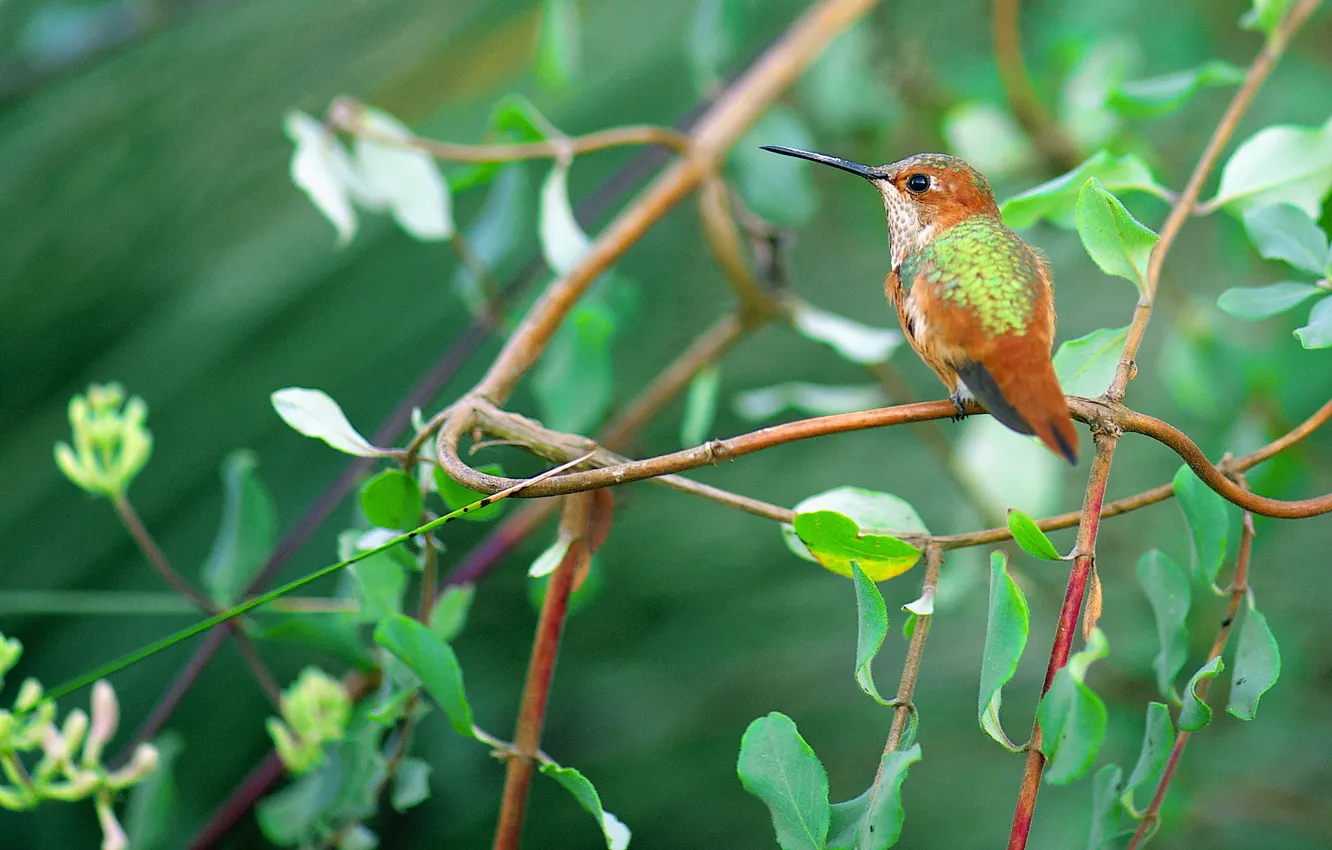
906,688
1049,138
1183,208
348,115
540,671
732,114
158,559
615,470
1239,589
1107,434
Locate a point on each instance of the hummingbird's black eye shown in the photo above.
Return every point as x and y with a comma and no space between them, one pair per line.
918,183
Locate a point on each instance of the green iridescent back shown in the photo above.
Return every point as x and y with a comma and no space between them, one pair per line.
983,267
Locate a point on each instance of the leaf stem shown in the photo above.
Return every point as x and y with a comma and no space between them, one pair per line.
906,688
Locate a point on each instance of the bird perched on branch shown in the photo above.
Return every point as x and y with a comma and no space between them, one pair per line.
974,300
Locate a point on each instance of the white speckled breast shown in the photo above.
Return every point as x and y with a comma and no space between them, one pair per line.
906,232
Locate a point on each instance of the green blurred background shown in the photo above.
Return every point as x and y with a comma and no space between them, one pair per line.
151,236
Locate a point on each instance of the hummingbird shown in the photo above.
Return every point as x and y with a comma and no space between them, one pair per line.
974,300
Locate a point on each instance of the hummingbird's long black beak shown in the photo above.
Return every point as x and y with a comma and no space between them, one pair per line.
869,172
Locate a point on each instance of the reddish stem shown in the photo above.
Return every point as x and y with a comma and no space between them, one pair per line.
540,672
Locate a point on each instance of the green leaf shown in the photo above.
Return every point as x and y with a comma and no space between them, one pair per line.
1072,717
392,499
856,342
381,583
1115,240
1030,537
1257,665
575,378
1056,201
563,242
333,634
1205,512
1105,806
1086,365
1318,333
1279,164
449,614
700,406
150,814
1157,740
314,414
405,181
871,629
1167,588
411,784
433,662
501,227
456,496
615,832
1005,639
1158,96
873,511
988,138
357,836
517,117
318,166
778,767
1097,69
1196,714
1285,232
812,399
549,560
716,38
287,816
1259,302
843,91
836,542
874,821
777,188
559,45
1265,15
247,532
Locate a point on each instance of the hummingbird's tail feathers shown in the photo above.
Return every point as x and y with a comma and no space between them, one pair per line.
1040,409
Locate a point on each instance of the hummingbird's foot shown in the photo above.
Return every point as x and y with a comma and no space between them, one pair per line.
961,408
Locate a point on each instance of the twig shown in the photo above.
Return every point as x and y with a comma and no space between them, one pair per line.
733,113
540,671
1053,143
906,688
158,559
615,470
1239,588
1107,437
348,114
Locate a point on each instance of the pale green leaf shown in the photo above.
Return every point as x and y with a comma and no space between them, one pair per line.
873,512
314,414
700,406
1287,233
1259,302
854,341
1257,665
1086,365
1005,639
247,532
318,166
1279,164
1265,15
563,242
1205,512
615,832
559,45
1167,588
404,180
1318,332
1196,714
433,662
1029,536
1157,739
1072,717
778,767
1056,201
871,629
777,188
837,543
873,821
1158,96
1115,240
764,403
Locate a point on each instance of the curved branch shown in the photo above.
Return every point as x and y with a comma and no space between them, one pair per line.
1053,143
614,469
